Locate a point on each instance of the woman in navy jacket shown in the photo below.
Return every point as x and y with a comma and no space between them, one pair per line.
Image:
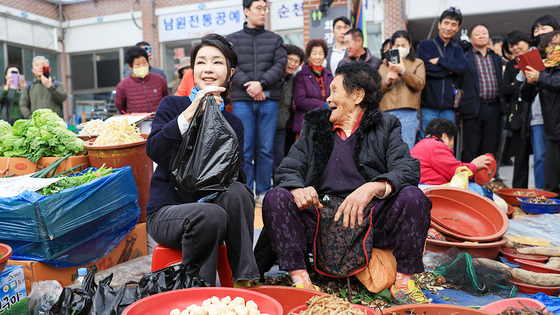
312,83
199,222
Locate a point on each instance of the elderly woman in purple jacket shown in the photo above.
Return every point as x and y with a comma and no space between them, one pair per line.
312,83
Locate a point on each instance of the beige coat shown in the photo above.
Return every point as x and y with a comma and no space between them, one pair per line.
405,90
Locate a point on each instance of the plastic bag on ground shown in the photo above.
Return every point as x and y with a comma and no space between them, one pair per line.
209,157
540,230
552,303
44,294
381,271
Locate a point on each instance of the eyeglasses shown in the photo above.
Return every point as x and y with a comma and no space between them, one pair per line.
293,60
261,9
452,9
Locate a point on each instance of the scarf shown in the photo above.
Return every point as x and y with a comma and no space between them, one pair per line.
553,57
318,72
195,91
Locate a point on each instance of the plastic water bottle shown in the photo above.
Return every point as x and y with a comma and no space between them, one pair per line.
82,272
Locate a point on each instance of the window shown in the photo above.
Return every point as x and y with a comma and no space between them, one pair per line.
24,58
82,72
292,38
374,38
95,71
173,55
108,66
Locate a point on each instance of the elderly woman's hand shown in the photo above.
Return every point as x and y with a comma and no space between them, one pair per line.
354,205
306,197
189,112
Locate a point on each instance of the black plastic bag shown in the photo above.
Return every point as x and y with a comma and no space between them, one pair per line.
111,301
209,157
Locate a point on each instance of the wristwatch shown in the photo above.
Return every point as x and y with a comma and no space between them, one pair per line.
263,83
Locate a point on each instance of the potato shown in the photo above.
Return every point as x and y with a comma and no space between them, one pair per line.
226,300
175,312
215,300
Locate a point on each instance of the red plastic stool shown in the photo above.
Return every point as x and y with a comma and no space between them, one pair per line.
165,257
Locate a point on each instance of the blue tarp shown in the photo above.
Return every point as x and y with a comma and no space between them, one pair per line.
74,227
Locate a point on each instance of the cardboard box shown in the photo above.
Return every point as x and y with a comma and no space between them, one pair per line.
133,245
22,166
13,296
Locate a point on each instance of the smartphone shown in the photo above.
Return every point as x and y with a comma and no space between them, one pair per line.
148,49
46,71
394,56
15,80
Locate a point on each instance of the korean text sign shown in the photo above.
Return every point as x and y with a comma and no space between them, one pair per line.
322,24
195,24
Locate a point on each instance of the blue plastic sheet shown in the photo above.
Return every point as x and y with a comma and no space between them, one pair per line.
552,303
74,227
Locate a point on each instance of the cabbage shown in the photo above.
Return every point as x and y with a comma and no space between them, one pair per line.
5,128
45,134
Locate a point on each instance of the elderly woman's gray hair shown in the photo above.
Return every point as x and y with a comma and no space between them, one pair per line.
359,74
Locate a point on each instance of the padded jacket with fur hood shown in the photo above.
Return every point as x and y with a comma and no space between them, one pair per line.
380,153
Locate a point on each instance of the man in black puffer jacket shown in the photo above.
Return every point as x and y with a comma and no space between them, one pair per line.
255,91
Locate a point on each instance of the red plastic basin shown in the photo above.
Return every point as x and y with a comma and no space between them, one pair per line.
6,252
499,306
164,303
534,289
488,250
483,175
477,219
535,266
509,197
288,297
435,309
511,254
364,309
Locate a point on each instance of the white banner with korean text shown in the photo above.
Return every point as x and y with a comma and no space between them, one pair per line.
286,14
191,25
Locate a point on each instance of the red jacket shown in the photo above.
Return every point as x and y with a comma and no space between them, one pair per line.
437,162
135,95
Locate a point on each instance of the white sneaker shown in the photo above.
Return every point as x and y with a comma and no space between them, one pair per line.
259,201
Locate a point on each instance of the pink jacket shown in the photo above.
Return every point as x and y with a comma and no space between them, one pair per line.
437,162
135,95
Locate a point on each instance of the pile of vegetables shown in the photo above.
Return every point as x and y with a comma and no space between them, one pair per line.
118,132
73,181
46,134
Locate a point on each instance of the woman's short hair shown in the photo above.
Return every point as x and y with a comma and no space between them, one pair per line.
316,43
439,125
219,42
133,53
545,20
547,38
295,50
514,37
358,74
11,66
406,35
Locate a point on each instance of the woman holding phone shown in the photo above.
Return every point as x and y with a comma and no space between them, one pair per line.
402,83
199,222
14,82
545,85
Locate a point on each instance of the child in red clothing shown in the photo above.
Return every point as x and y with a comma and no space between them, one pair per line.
437,162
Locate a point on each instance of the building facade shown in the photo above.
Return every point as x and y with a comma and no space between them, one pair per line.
85,40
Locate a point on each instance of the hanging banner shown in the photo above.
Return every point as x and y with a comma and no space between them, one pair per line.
190,25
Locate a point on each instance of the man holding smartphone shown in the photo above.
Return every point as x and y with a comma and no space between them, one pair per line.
146,46
43,92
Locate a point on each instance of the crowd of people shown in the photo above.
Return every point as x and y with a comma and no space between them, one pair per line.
340,131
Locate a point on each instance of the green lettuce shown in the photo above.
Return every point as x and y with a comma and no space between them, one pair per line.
5,128
45,134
